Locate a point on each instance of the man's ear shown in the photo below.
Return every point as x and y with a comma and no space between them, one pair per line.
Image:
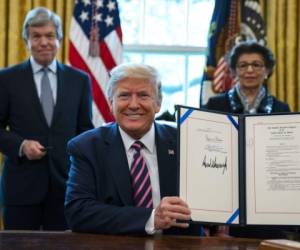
57,43
28,44
157,108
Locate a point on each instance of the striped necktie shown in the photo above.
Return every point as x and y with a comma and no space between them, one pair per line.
140,179
46,96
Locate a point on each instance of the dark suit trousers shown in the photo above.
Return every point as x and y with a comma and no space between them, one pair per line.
48,215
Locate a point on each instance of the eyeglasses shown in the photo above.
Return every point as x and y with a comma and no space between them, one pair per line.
256,66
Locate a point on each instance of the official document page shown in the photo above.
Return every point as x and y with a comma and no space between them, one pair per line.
240,170
209,165
273,169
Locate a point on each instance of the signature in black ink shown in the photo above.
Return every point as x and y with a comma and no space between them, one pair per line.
212,163
215,139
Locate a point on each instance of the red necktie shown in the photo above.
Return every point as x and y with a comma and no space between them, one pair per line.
140,179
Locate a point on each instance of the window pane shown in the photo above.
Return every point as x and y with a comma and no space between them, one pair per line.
195,70
171,70
200,12
169,22
130,15
165,22
133,57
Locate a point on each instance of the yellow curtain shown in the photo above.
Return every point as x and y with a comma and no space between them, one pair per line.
12,47
283,36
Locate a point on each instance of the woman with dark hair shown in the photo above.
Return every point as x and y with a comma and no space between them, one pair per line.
252,64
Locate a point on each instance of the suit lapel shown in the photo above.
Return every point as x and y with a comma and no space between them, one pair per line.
167,165
119,165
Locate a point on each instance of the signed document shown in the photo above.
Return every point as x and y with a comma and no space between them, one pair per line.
209,165
273,169
241,170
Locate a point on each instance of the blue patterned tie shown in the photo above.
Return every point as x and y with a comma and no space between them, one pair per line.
140,179
46,97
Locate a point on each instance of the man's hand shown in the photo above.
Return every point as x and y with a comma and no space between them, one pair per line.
33,150
169,210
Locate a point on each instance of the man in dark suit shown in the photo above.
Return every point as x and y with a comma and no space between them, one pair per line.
43,104
103,193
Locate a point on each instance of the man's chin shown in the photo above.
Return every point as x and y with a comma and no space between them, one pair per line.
134,121
133,124
134,132
44,60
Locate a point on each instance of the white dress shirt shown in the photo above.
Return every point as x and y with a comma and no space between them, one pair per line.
37,75
149,153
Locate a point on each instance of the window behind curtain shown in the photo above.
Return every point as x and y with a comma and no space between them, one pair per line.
170,35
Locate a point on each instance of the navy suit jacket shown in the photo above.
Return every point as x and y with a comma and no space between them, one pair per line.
23,181
221,102
99,196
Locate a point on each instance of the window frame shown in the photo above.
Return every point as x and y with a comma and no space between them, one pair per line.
142,50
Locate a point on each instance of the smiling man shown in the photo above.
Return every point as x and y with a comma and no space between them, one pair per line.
43,103
123,176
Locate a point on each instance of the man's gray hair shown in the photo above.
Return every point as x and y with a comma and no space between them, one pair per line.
41,16
135,71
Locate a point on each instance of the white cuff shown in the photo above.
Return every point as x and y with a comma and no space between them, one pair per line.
21,149
149,227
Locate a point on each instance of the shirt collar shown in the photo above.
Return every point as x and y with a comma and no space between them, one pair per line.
36,67
148,139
